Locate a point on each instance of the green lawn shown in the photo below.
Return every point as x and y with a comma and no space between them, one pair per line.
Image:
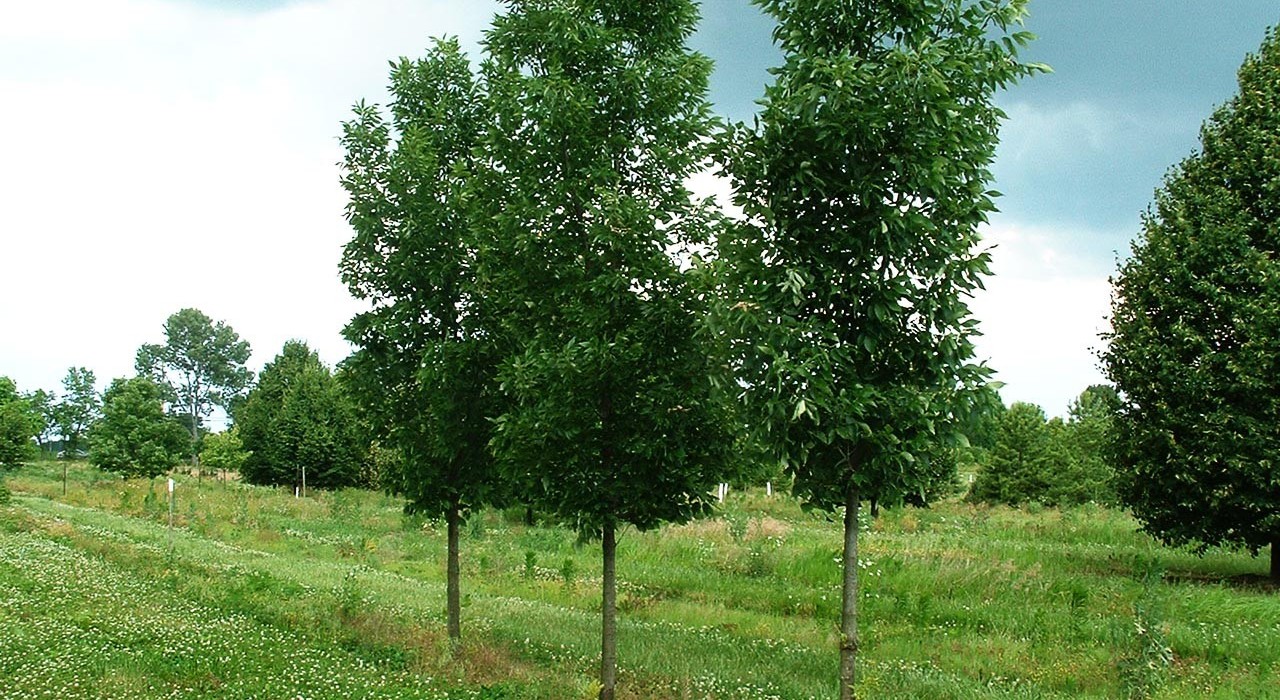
259,594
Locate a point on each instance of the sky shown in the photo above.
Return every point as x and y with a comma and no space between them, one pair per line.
162,154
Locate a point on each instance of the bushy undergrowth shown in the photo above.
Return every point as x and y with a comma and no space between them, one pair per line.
959,601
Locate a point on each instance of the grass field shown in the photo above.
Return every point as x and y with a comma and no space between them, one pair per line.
255,593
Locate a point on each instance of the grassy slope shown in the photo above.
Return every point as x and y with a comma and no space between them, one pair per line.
338,595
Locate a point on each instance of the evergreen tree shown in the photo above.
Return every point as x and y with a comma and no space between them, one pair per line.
297,423
1023,458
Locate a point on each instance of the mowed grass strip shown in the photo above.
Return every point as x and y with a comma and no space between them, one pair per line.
958,601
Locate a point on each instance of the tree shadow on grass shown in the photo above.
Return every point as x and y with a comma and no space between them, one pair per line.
1253,583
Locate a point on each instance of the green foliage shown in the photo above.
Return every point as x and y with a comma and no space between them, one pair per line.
299,417
44,404
424,365
135,438
599,117
864,186
1088,442
20,422
1144,665
200,365
76,410
1053,462
223,451
1023,459
1195,319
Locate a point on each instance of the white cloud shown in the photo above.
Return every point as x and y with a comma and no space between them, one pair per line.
1042,313
1035,133
160,155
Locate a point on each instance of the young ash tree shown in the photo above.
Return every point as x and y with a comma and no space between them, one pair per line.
1195,321
425,361
224,451
600,114
45,404
864,182
201,364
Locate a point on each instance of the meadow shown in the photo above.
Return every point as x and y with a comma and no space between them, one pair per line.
256,593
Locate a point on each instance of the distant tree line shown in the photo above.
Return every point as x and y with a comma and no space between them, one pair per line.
296,419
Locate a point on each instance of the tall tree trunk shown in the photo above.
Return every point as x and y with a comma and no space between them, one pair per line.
453,599
1275,559
849,613
608,611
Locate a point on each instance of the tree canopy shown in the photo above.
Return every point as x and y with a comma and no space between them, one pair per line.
77,409
45,405
20,422
223,451
298,417
1195,320
135,437
200,362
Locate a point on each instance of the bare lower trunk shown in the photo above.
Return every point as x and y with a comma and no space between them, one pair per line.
849,614
454,600
64,492
609,640
1275,559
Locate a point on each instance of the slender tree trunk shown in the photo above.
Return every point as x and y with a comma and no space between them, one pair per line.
609,614
453,599
64,492
1275,559
849,614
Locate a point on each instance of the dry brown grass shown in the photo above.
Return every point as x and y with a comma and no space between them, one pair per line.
767,528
